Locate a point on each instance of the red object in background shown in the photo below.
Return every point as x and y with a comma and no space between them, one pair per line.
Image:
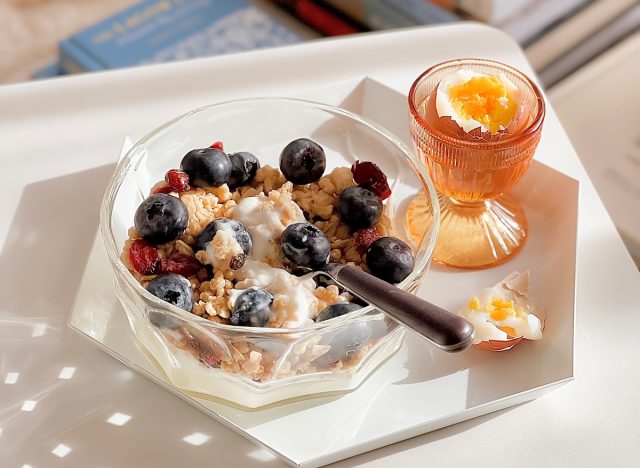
217,145
320,16
322,19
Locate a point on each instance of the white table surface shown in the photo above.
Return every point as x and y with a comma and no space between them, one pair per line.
58,143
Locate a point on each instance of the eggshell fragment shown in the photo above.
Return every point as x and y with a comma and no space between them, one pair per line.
514,287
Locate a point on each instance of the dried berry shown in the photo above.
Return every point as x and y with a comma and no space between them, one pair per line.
177,180
370,176
365,237
204,348
217,145
161,187
237,261
144,257
180,263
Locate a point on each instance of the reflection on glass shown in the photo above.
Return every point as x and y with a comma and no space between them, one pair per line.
197,438
61,450
11,378
119,419
29,405
66,373
39,329
261,455
27,466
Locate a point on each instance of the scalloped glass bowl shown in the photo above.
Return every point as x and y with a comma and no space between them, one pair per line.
220,361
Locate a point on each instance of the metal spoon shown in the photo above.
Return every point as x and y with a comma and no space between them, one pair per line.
442,328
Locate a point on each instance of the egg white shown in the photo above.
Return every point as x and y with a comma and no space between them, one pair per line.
513,288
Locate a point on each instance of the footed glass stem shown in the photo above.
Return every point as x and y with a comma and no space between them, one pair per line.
481,234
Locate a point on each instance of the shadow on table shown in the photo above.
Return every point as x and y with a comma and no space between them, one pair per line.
46,249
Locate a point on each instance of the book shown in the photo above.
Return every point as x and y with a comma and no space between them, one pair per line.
49,71
155,31
594,45
321,16
576,29
391,14
423,12
539,17
492,11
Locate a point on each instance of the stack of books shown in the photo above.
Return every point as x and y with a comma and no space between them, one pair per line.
559,36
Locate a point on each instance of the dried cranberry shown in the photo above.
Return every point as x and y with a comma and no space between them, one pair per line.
370,176
365,237
204,348
143,256
217,145
177,180
180,263
161,187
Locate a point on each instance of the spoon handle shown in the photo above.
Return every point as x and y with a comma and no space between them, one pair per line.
445,330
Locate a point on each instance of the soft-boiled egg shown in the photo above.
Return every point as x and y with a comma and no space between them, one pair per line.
504,314
476,100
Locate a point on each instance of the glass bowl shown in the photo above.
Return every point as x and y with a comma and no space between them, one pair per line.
222,361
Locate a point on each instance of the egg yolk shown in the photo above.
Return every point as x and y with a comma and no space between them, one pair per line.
484,99
499,310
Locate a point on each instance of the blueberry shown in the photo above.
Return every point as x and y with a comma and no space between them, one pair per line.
174,289
252,308
390,259
336,310
359,208
206,167
161,218
231,225
303,161
243,169
305,245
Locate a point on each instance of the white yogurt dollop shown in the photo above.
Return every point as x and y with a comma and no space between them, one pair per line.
293,295
222,251
266,217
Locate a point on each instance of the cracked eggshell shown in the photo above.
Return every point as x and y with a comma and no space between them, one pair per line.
514,287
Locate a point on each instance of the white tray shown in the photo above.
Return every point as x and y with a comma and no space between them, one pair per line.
420,389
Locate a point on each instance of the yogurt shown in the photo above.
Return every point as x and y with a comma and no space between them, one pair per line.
295,295
266,217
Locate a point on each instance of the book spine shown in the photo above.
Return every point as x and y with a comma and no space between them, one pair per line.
48,71
320,17
422,11
380,15
373,14
76,59
493,11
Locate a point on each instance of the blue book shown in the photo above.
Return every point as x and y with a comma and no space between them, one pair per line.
155,31
423,12
48,72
